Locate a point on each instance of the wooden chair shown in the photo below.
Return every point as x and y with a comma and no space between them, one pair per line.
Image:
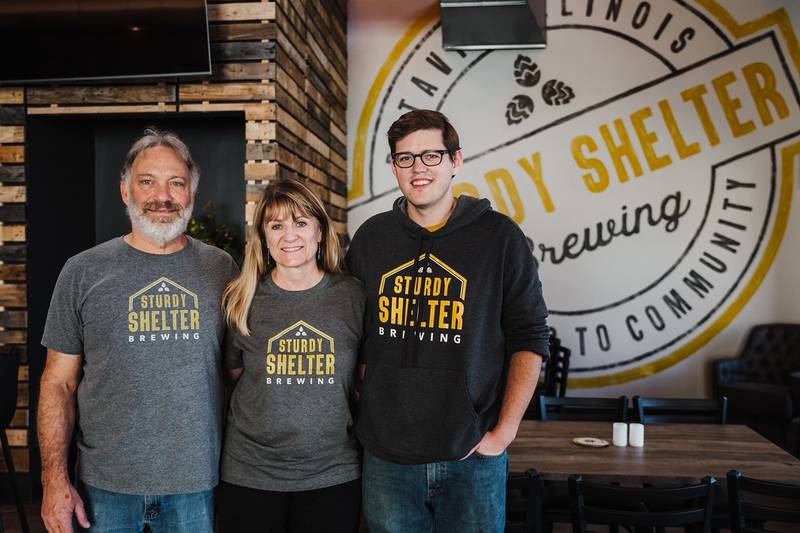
524,503
635,507
584,409
749,516
681,410
9,366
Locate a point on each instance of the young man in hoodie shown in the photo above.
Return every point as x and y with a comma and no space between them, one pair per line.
455,336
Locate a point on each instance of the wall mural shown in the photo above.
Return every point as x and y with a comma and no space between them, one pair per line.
648,153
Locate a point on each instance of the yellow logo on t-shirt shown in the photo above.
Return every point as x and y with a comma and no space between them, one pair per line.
163,311
300,354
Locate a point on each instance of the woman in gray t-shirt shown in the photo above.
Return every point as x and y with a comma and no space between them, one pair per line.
289,459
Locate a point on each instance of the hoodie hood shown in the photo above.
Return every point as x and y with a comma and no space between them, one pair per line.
468,210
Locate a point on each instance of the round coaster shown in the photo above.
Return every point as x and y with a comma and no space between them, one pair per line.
590,442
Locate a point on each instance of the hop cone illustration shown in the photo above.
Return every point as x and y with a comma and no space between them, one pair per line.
556,92
526,72
519,108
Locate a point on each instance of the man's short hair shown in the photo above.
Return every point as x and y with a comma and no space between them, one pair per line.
153,137
424,119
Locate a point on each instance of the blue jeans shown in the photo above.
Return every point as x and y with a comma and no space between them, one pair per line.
179,513
459,496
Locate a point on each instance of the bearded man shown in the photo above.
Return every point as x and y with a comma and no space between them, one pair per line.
133,339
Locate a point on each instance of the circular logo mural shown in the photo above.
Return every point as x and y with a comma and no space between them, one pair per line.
647,153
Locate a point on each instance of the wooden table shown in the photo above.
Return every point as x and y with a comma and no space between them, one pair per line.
682,453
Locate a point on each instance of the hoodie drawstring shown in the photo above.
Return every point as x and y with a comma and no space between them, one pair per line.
421,270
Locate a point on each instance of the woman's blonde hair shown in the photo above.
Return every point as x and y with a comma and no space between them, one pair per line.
285,196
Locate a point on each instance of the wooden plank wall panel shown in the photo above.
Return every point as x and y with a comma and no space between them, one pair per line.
12,95
282,64
311,94
13,293
99,94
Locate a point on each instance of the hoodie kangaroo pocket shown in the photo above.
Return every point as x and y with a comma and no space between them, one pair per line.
417,414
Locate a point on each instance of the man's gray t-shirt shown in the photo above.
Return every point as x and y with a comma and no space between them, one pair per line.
290,426
149,328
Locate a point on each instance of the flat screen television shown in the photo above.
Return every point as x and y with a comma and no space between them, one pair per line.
51,40
493,24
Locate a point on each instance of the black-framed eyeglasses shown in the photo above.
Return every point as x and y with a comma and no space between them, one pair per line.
429,158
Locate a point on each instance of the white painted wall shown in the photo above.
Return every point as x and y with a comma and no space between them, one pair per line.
777,300
374,29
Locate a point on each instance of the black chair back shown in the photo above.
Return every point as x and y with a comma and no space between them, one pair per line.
595,503
524,503
770,355
9,368
681,410
585,409
556,370
758,383
793,437
748,515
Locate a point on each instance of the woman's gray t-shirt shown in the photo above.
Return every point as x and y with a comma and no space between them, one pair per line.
290,424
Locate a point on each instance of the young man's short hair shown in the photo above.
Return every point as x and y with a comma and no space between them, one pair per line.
424,119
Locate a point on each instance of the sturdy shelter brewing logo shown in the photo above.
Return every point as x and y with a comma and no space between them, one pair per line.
648,153
163,311
300,355
431,305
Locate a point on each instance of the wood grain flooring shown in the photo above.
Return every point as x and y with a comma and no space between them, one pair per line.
8,512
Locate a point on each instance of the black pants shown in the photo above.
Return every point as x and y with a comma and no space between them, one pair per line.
333,509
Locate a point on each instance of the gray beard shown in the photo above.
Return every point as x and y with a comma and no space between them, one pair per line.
160,232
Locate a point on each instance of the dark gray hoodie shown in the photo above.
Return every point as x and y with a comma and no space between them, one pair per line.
434,384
